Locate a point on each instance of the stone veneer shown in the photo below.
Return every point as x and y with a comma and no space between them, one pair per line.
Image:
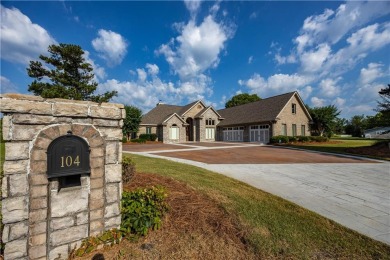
41,221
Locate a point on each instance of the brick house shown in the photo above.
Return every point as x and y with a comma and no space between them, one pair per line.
258,121
175,124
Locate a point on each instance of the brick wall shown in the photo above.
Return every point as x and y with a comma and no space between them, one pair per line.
40,220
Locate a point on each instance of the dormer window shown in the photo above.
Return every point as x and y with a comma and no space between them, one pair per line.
210,122
294,108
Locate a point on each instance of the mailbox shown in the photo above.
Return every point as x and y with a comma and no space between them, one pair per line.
68,155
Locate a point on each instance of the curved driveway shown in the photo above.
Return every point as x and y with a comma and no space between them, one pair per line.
354,192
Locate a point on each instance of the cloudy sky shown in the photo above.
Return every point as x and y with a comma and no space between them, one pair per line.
177,52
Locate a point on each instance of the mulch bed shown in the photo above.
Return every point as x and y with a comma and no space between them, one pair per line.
195,227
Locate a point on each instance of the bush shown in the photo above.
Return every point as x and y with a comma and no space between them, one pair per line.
279,139
124,139
292,139
128,169
140,141
319,139
148,137
143,209
304,139
153,137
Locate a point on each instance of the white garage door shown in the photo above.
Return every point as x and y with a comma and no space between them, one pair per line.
259,133
233,134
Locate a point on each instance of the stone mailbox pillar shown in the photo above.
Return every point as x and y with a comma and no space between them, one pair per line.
62,174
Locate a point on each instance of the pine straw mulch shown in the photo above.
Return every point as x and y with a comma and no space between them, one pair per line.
381,150
195,227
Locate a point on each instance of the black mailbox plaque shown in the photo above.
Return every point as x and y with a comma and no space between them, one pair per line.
68,155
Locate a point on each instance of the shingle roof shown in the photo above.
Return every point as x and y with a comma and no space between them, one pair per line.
158,114
260,111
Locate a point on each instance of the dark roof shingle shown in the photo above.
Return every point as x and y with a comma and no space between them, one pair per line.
260,111
158,114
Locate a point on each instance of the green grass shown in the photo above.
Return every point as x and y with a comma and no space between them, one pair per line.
276,227
339,146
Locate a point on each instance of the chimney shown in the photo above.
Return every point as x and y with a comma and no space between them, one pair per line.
159,103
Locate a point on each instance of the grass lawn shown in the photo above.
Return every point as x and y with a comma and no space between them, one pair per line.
275,228
339,145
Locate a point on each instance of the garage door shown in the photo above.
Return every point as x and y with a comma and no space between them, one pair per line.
233,134
259,133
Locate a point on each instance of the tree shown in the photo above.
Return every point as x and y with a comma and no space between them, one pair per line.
66,74
241,99
132,121
323,119
384,106
356,126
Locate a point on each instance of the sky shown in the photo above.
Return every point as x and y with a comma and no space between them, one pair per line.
176,52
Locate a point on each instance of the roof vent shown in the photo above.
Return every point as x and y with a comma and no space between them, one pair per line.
159,103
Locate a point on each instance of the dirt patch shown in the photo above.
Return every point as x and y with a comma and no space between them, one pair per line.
196,227
377,150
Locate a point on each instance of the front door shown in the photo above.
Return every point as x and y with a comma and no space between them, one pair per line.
190,129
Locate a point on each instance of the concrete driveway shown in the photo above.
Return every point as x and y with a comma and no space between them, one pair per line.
354,192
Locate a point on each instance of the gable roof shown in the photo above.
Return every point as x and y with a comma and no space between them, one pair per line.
159,114
263,110
162,112
201,113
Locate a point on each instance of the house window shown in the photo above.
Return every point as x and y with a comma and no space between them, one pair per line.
303,130
210,122
210,133
294,108
294,130
174,132
148,130
284,129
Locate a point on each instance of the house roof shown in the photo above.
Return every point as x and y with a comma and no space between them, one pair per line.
263,110
162,112
159,114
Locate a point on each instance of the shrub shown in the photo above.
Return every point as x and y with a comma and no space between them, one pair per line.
304,139
143,209
128,169
124,139
148,137
140,141
279,139
319,139
153,137
292,139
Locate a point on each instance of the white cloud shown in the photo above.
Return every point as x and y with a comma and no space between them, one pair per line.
6,86
21,39
339,102
317,102
100,73
111,46
197,48
145,91
141,74
253,15
312,61
362,42
276,84
371,73
331,26
193,6
152,69
250,60
329,87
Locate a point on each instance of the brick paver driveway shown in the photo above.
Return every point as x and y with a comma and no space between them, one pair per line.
352,191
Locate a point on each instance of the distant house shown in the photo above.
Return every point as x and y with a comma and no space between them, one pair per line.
176,124
254,122
378,132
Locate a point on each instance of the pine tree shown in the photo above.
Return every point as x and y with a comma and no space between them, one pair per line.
66,75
